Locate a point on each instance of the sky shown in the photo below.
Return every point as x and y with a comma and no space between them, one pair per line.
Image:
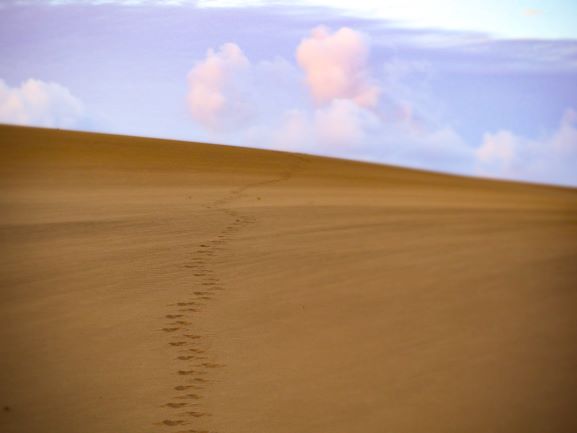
483,88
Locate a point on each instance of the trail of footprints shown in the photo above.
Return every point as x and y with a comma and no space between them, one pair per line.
191,349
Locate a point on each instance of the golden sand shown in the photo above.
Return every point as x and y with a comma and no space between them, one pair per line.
162,286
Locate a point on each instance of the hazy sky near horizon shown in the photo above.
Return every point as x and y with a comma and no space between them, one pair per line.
474,87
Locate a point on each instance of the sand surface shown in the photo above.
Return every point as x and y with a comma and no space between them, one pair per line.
161,286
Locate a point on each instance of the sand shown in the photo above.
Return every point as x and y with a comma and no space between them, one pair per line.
162,286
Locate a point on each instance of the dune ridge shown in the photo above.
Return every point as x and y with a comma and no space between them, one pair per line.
164,286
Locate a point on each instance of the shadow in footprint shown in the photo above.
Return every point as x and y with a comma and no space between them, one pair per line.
171,423
175,405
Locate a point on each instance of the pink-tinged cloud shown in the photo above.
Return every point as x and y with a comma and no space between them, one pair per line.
336,66
265,104
553,158
38,103
214,96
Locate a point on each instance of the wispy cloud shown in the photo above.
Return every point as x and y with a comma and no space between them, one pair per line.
495,17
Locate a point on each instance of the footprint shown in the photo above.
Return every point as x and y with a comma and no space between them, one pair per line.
187,372
199,380
186,358
170,329
171,423
211,365
192,336
177,343
175,405
197,414
174,316
183,387
194,431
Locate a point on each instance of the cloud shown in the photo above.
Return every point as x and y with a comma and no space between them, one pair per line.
38,103
215,96
553,158
343,124
498,150
265,104
336,66
295,127
227,92
393,119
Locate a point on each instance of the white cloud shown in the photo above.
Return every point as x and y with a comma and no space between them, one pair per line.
295,127
499,150
245,103
215,95
553,158
265,104
343,124
38,103
336,66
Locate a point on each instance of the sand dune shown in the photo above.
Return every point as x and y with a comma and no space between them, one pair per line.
161,286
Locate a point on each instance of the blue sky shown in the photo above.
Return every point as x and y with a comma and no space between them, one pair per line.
480,88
